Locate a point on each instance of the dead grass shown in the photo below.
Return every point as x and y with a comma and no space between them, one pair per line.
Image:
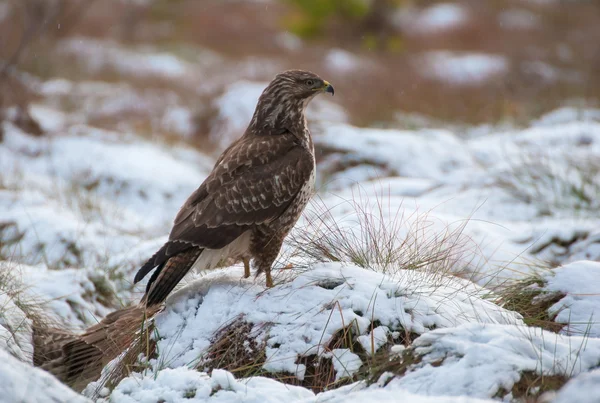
392,363
376,236
372,94
10,236
554,182
35,318
527,297
387,365
531,386
237,347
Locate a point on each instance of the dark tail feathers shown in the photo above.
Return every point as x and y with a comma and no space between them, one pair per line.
169,249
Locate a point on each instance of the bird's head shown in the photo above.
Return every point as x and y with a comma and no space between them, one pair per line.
299,84
283,102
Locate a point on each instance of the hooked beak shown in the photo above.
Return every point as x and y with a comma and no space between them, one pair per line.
328,87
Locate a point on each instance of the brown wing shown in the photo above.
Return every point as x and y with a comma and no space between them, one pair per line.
253,183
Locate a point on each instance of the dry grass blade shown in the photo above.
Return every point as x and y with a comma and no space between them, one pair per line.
376,236
21,315
527,297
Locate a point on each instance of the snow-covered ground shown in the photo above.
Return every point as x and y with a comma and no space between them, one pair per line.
82,207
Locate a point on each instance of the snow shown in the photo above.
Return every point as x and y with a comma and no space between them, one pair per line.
20,382
440,178
345,362
304,314
580,308
179,120
87,224
127,171
425,154
15,329
568,115
98,55
389,394
50,119
289,41
182,385
342,61
437,18
584,388
69,293
173,385
374,340
457,68
479,360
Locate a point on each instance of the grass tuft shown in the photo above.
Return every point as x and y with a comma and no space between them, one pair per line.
527,297
377,236
237,348
555,182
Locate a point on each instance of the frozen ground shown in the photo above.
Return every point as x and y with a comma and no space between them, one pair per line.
82,207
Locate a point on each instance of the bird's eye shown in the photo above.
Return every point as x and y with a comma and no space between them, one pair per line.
310,82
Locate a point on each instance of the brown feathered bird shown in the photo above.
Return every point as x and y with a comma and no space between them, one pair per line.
242,211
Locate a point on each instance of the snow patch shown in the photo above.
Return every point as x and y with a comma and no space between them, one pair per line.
461,68
183,385
480,360
342,61
438,18
302,316
20,382
584,388
580,308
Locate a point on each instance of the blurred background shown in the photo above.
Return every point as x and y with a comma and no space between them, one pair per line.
191,70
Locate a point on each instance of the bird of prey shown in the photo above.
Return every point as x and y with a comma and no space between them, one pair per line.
243,210
253,196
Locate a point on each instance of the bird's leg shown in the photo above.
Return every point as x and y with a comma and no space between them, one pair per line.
269,278
246,267
266,244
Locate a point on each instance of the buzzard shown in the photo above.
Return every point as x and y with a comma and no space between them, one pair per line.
242,211
253,196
